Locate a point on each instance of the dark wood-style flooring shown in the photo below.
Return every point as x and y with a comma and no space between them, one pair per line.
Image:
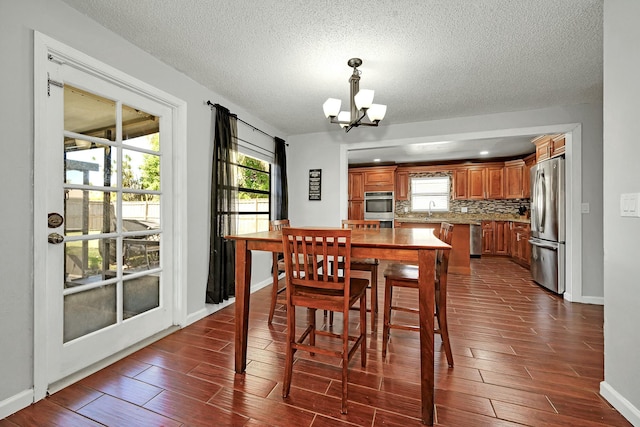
523,356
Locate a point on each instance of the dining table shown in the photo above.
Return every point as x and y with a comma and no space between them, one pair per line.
410,245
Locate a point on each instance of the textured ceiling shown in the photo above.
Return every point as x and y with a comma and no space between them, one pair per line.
425,59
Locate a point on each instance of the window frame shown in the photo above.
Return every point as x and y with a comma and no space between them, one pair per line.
448,193
240,189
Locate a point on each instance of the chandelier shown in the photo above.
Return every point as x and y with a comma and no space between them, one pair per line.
361,104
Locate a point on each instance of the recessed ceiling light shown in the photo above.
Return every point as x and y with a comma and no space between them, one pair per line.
484,153
376,160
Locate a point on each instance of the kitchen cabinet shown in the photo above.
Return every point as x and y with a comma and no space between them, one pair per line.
379,178
485,182
514,179
495,237
402,185
548,146
356,209
460,184
519,243
529,161
356,186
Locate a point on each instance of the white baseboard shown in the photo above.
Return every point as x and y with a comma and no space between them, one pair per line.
212,308
15,403
583,299
630,412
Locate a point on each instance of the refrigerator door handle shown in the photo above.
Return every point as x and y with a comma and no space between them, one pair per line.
543,245
541,194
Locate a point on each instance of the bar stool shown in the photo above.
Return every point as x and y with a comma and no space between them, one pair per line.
403,275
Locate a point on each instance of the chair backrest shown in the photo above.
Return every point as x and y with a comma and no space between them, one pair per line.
361,224
320,246
442,257
278,224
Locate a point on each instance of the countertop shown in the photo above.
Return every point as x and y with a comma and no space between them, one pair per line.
470,220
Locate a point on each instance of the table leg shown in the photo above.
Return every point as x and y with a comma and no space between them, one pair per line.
426,289
243,290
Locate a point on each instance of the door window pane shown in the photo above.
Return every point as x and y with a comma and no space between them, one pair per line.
89,114
93,165
89,261
140,294
89,311
89,212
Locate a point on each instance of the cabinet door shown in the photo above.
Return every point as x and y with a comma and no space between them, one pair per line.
487,238
513,242
356,209
501,238
402,186
460,184
543,147
514,181
526,177
495,183
379,180
356,186
476,178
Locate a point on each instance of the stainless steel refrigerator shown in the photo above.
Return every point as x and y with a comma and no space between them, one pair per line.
548,224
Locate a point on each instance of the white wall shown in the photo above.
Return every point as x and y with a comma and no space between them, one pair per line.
18,20
327,151
621,384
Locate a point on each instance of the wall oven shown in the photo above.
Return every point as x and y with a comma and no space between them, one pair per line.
379,205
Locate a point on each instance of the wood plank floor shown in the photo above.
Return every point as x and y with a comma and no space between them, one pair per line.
523,356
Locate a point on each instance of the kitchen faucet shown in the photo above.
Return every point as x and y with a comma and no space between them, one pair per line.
431,204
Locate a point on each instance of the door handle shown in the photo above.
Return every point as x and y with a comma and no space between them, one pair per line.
55,238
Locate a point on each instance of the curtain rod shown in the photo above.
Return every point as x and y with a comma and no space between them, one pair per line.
211,104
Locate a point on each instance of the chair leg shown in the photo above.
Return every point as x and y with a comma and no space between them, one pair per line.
274,289
345,361
311,313
363,330
441,313
291,338
374,297
388,289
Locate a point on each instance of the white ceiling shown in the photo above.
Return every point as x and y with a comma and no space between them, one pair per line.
426,59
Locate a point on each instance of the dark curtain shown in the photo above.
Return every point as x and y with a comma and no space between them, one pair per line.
280,206
221,280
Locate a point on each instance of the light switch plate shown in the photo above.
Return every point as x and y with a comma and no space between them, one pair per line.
629,204
586,208
463,209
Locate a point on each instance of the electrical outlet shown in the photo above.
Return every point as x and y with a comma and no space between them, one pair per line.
463,209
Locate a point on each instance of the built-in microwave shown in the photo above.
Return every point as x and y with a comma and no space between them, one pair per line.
379,205
378,202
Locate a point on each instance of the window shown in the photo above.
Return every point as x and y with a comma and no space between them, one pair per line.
430,194
254,181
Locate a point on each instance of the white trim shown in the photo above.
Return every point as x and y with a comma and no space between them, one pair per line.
573,155
43,46
618,401
212,308
16,402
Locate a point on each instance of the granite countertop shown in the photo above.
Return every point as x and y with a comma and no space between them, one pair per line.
462,219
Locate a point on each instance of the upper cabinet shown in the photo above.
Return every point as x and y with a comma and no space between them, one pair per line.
514,179
482,182
460,184
529,161
402,185
548,146
379,178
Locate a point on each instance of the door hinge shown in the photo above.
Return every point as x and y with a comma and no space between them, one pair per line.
52,82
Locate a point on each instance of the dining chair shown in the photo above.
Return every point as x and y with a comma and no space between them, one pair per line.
403,275
325,290
369,265
278,267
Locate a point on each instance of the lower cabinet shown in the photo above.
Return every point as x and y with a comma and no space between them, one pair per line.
495,237
356,209
519,242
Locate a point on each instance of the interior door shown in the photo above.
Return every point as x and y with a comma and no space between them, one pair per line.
109,219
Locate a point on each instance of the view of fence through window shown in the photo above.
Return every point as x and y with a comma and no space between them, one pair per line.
254,181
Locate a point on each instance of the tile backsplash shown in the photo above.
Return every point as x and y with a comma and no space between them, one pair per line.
475,208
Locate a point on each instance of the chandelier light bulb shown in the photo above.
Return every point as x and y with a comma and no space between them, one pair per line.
376,112
331,107
364,98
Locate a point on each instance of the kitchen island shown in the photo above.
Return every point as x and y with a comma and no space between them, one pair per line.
460,258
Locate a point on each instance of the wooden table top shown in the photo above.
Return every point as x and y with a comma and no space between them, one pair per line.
392,238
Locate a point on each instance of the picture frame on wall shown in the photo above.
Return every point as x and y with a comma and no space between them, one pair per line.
315,184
